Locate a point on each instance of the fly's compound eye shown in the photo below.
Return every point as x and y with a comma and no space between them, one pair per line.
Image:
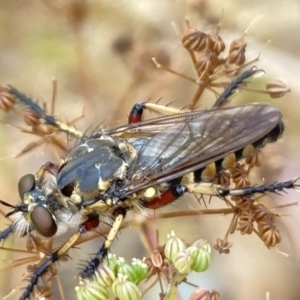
43,221
26,184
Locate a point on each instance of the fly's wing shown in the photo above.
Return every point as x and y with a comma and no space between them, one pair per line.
173,146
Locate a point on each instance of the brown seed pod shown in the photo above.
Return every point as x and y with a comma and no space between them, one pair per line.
206,64
277,88
195,40
237,52
218,45
243,202
239,175
245,224
268,232
200,294
261,212
223,246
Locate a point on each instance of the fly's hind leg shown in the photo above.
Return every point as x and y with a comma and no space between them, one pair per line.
211,189
137,110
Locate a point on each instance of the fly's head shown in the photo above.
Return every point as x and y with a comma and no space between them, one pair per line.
95,171
36,210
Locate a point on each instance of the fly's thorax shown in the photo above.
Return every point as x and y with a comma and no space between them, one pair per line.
94,172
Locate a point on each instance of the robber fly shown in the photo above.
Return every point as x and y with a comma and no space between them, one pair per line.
145,165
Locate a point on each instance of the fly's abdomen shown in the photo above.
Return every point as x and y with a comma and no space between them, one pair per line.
210,172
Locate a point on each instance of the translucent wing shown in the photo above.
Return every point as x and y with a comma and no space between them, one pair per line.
172,146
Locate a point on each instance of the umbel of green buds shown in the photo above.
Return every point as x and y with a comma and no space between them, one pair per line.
136,272
186,259
118,276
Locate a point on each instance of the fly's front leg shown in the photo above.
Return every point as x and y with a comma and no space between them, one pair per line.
40,113
91,223
92,266
138,109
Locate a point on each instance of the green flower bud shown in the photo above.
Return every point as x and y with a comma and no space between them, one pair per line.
173,246
183,261
127,270
140,269
91,290
200,259
113,262
125,290
104,275
203,244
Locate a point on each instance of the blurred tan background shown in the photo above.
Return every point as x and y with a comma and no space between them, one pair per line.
81,44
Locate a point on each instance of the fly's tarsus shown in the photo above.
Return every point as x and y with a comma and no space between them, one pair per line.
233,86
261,189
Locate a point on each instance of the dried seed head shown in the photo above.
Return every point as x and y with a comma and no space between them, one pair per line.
223,246
218,45
268,232
200,294
195,40
156,258
7,100
215,295
243,202
277,88
239,175
245,224
261,212
237,52
224,179
207,63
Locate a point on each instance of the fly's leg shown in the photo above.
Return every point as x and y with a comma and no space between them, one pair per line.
233,86
174,191
93,264
40,113
6,232
136,112
90,223
211,189
260,189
